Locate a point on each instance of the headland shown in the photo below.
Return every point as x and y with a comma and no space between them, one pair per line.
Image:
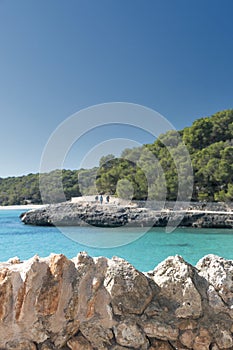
133,214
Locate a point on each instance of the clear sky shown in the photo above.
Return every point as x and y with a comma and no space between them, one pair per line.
58,57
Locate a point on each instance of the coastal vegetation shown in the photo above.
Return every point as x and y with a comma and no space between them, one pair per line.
145,171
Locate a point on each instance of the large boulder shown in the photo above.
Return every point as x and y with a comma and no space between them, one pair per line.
129,289
175,277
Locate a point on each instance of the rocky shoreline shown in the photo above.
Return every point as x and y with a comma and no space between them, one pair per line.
81,214
90,303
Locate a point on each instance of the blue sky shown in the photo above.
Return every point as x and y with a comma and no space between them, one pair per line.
58,57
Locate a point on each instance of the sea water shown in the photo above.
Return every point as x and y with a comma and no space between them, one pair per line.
144,251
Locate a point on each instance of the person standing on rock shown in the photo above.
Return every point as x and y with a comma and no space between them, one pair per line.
107,199
101,199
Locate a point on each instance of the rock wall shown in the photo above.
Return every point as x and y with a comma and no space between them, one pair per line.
98,303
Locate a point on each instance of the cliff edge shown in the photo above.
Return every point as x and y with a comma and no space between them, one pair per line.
97,303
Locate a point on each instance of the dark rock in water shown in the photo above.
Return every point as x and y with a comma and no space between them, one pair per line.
82,213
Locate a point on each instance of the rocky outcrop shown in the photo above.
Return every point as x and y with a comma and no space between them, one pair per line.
81,214
98,303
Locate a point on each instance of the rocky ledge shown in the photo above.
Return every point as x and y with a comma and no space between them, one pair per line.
97,303
80,214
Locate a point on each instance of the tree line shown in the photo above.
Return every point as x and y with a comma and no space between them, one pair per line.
152,171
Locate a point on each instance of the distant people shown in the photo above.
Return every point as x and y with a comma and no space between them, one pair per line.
107,199
101,199
96,198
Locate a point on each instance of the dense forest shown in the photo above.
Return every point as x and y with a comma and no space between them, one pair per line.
152,171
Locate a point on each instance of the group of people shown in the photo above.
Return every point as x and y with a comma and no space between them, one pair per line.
101,199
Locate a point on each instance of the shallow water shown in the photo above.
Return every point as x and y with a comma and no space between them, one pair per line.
17,239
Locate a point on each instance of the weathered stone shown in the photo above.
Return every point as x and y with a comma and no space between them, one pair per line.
187,338
223,339
177,345
219,273
96,334
20,345
214,300
160,345
202,341
155,329
128,334
14,260
175,277
154,309
47,346
187,324
6,294
45,302
129,289
79,343
94,300
63,276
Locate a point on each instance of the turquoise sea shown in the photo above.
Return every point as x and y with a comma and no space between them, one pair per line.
17,239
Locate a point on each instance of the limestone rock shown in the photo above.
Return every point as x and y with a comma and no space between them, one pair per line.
89,213
96,334
219,274
129,289
177,345
164,331
224,339
187,338
90,303
187,324
160,345
79,343
47,346
202,341
128,334
175,278
20,345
